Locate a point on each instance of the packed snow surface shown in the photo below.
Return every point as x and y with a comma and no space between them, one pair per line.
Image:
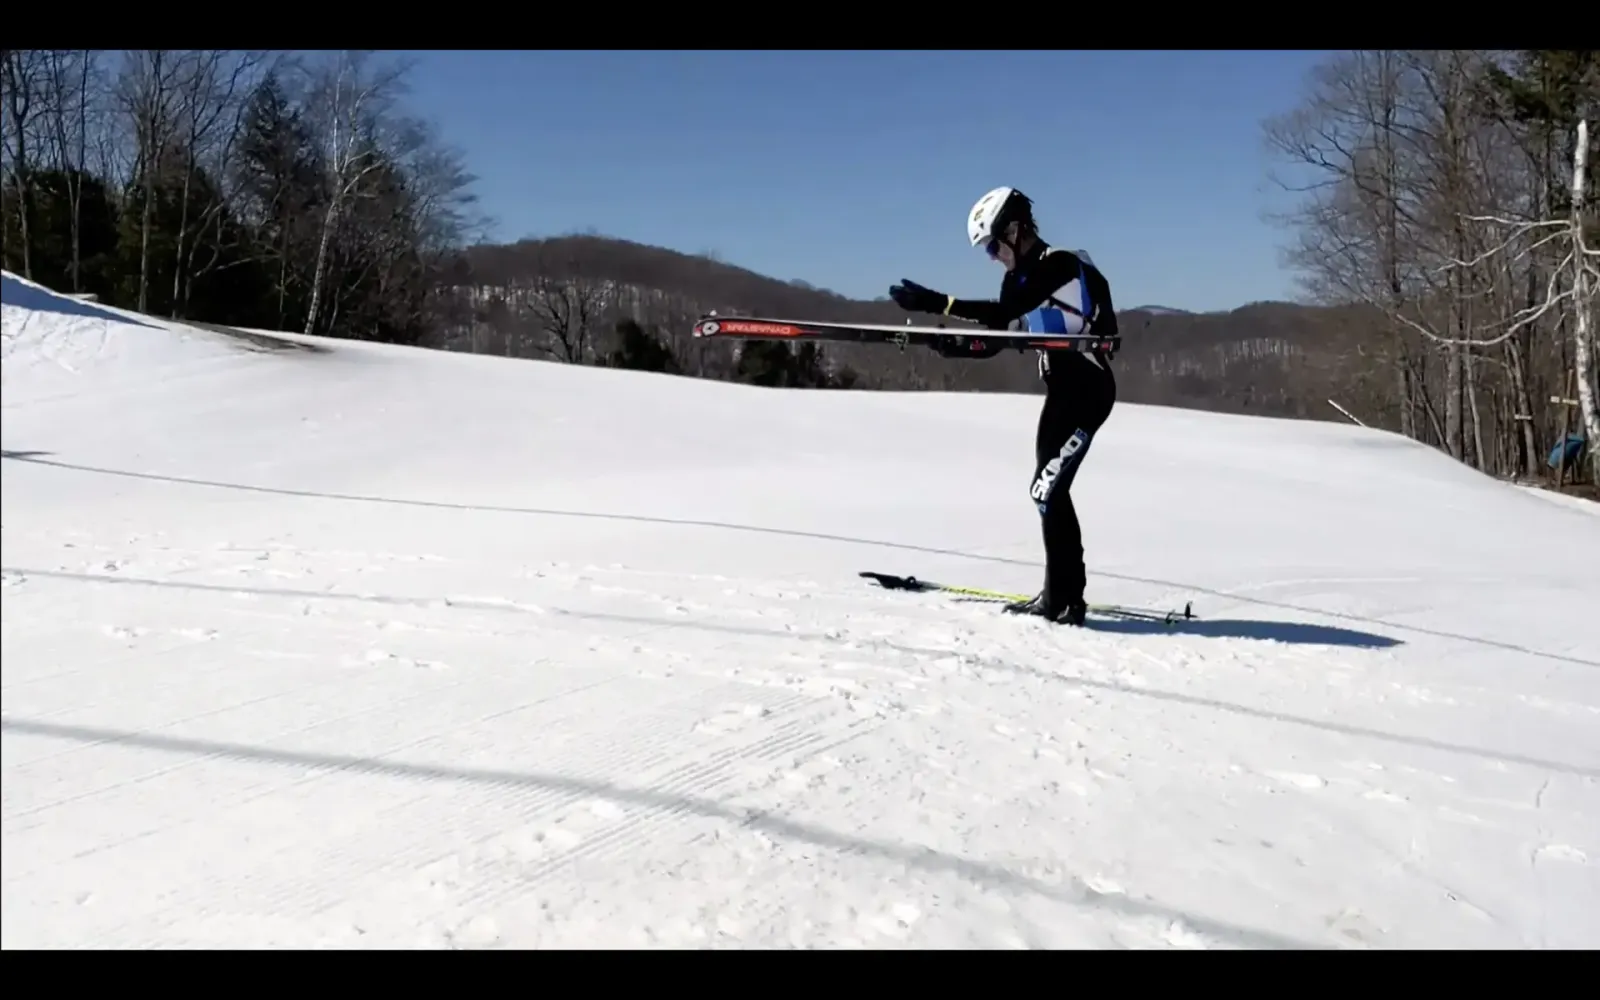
329,644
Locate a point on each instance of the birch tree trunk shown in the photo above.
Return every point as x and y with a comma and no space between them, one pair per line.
1583,281
355,107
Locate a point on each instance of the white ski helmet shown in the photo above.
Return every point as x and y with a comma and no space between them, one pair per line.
996,210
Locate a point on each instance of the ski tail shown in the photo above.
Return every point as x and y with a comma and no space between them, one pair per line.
891,582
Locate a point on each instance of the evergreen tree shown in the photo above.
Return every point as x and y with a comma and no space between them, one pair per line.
642,351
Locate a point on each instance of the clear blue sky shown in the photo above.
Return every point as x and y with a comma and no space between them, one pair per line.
851,170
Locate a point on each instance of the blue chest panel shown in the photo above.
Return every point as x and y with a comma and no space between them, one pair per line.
1051,317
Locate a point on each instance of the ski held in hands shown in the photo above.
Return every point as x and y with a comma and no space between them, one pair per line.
713,326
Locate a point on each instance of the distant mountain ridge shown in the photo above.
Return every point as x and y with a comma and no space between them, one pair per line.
1272,358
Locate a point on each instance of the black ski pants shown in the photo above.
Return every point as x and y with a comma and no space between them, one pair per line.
1078,401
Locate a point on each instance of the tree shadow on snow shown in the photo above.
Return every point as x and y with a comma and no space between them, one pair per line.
14,292
1270,631
259,341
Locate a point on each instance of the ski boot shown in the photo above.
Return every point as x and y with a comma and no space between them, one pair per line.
1073,613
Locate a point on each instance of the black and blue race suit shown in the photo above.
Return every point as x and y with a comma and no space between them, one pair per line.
1058,291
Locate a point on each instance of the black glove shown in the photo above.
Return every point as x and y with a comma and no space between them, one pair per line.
913,297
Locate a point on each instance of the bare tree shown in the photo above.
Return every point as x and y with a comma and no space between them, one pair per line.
441,207
567,311
208,112
1360,219
275,184
1425,203
1570,287
149,88
1534,174
68,78
352,103
112,152
21,74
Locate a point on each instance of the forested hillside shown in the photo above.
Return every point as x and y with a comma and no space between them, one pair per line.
564,295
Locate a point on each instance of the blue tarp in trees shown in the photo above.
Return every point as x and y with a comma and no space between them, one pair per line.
1568,452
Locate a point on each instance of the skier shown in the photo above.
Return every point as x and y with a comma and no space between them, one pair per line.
1045,290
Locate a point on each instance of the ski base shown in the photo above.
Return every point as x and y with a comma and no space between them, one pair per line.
891,582
758,328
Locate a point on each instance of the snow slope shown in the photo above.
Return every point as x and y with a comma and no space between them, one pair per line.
365,646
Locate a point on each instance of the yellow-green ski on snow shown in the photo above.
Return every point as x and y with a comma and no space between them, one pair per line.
891,582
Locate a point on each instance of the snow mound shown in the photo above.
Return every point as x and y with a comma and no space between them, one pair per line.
54,346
